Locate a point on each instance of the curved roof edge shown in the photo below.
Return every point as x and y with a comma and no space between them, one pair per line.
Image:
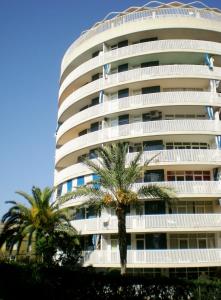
154,5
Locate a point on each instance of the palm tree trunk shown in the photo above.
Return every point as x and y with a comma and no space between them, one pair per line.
122,237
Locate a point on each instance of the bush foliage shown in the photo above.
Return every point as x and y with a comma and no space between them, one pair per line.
40,282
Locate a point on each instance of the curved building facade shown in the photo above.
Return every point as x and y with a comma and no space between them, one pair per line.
149,76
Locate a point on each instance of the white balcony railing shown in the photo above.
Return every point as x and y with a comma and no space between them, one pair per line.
151,223
140,49
153,258
139,102
139,74
165,127
164,157
190,188
139,16
183,189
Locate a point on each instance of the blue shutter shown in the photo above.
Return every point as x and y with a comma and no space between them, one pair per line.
69,185
80,180
96,177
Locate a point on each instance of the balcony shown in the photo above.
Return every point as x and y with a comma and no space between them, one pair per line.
151,223
149,17
125,132
139,74
187,189
183,189
139,102
164,157
155,258
141,49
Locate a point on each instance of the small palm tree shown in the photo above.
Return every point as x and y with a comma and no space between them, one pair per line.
37,224
114,188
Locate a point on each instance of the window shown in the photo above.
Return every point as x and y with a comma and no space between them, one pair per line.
183,116
140,242
155,207
69,185
59,190
114,242
202,243
154,176
80,214
150,64
124,119
156,241
184,145
95,101
152,116
148,40
188,176
123,68
151,89
152,145
83,132
96,53
95,126
93,154
80,180
183,244
81,157
136,147
95,77
128,241
123,44
90,213
123,93
83,108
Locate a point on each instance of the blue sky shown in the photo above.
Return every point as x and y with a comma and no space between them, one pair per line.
34,34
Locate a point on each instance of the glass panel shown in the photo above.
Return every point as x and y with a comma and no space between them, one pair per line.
148,40
183,244
151,89
95,101
95,126
123,68
150,64
123,44
152,176
124,119
95,77
140,244
202,243
153,145
123,93
93,154
96,53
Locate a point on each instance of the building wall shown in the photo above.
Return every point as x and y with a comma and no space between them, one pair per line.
157,96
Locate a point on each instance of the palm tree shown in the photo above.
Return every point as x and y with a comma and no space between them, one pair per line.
114,187
39,224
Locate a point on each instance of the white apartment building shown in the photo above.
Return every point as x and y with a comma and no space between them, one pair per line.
149,76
